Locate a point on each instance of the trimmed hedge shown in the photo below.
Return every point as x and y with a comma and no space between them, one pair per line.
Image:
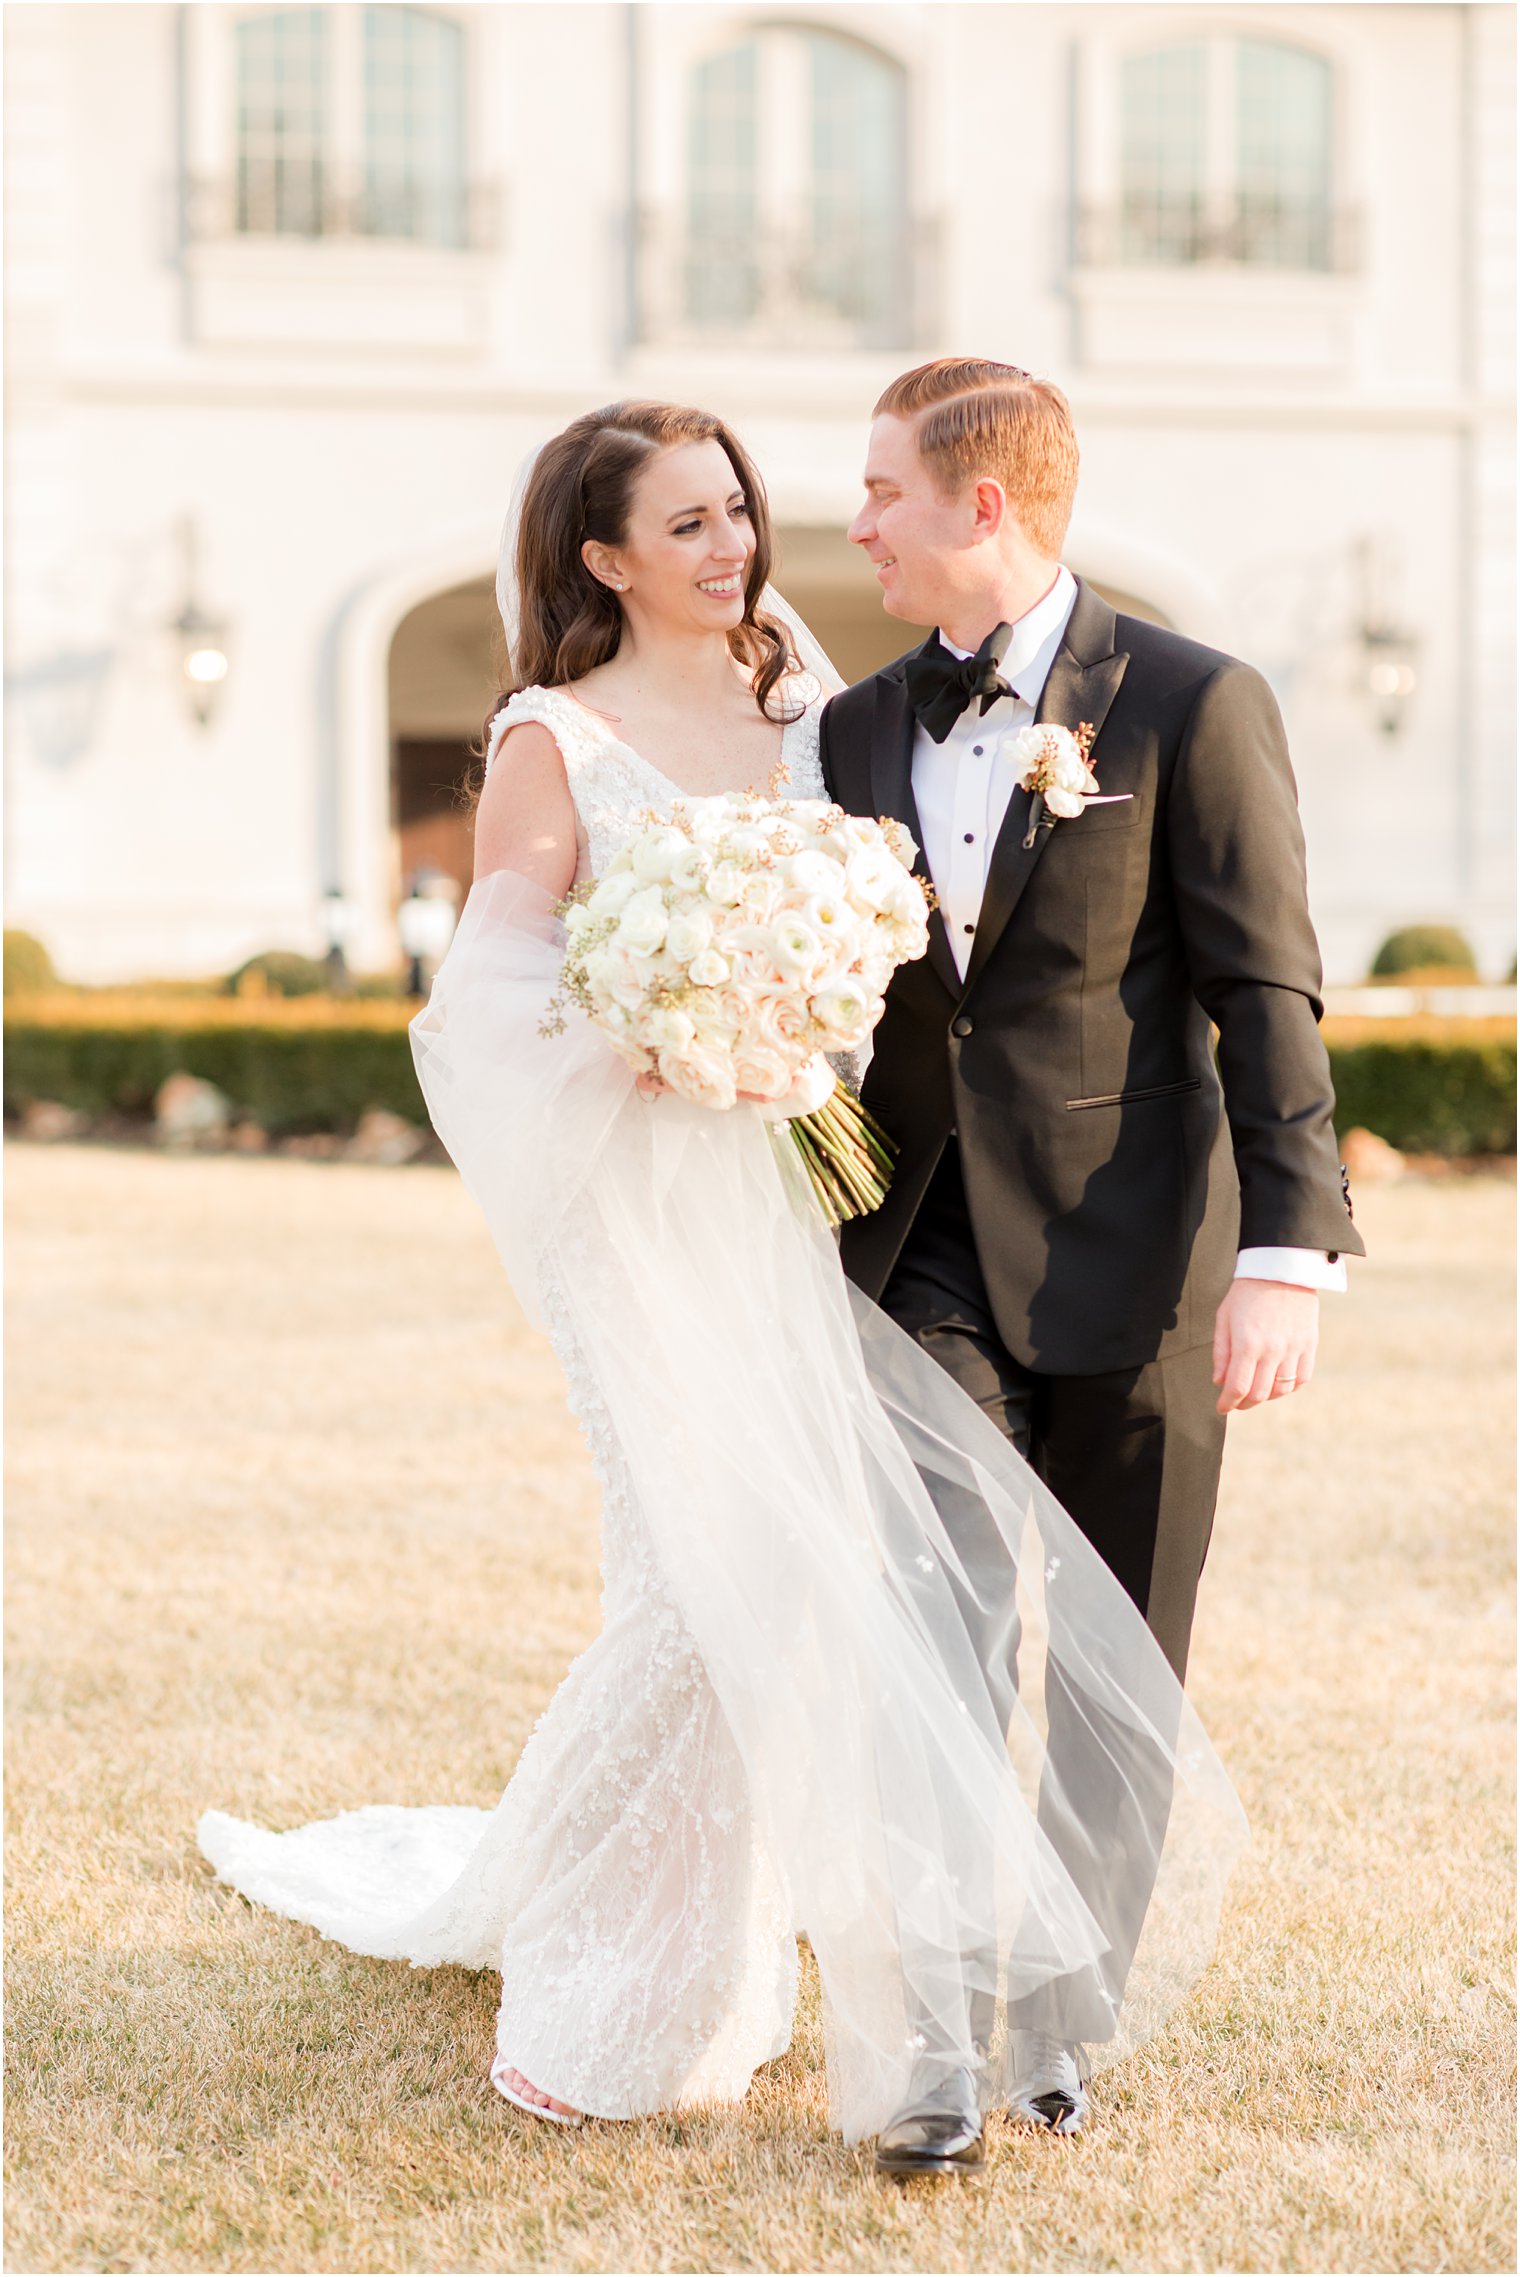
1426,1096
291,1077
314,1064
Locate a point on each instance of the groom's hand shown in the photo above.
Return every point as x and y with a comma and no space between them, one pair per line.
1265,1336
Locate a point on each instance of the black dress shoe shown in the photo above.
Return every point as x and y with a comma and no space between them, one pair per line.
939,2131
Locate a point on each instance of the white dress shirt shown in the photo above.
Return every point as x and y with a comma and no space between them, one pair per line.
962,789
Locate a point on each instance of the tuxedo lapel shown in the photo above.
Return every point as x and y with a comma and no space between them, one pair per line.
892,793
1082,684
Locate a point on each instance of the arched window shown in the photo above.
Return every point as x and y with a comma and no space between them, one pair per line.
283,109
413,64
796,193
351,120
1225,155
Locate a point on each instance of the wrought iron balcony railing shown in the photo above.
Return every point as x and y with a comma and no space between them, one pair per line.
822,289
289,198
1248,231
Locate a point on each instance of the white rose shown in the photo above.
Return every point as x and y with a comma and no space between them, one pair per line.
762,1070
642,926
708,969
762,895
726,884
900,840
701,1074
664,1027
748,841
1063,802
779,1019
656,851
613,894
812,1086
813,872
689,932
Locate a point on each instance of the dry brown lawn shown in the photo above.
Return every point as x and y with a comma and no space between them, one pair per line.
297,1520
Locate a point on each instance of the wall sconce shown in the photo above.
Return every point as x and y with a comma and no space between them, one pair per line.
1388,649
203,641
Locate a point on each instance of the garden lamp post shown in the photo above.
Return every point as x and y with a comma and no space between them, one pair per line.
425,922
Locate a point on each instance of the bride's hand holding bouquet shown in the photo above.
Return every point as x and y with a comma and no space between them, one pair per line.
725,952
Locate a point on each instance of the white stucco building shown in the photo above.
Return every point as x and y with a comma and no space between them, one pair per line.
291,290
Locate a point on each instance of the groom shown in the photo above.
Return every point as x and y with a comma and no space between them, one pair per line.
1109,1240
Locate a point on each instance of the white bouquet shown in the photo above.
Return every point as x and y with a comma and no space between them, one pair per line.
728,949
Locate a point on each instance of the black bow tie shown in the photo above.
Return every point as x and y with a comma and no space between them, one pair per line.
940,685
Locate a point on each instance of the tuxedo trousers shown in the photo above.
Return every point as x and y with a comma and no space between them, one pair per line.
1134,1456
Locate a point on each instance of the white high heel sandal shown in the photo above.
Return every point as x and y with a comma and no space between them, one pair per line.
499,2070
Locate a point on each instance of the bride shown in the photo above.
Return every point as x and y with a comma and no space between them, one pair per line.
793,1720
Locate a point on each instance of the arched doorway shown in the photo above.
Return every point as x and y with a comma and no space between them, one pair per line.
441,680
830,584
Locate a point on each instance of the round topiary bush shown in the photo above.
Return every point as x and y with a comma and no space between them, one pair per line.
28,967
1424,948
278,972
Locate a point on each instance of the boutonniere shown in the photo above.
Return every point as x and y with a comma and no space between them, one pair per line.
1053,765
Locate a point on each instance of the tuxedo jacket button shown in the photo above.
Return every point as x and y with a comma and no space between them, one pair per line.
960,1026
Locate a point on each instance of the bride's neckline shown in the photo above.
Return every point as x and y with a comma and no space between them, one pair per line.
618,743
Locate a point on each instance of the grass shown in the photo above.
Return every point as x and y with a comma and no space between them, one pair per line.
297,1520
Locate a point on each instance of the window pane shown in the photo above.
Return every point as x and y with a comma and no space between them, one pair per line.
722,268
856,261
1283,155
282,107
414,174
1161,98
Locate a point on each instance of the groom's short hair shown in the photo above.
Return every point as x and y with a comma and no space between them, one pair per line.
974,418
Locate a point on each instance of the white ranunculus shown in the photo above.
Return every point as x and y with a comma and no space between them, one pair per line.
831,916
794,947
656,851
689,932
709,969
690,870
642,926
842,1011
1063,802
870,876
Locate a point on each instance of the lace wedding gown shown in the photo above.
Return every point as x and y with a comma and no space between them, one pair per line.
781,1725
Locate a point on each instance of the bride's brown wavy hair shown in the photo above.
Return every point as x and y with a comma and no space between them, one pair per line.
582,487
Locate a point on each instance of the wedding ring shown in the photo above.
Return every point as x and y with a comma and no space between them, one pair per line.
1280,1383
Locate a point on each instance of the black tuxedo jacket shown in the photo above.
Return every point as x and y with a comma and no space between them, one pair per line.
1111,1167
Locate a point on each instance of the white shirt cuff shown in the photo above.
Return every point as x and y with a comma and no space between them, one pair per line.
1304,1268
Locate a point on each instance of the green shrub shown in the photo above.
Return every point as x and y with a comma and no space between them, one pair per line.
1417,948
288,1077
1428,1097
278,972
28,967
1436,1088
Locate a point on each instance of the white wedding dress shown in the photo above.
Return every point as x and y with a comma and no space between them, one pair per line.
782,1725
